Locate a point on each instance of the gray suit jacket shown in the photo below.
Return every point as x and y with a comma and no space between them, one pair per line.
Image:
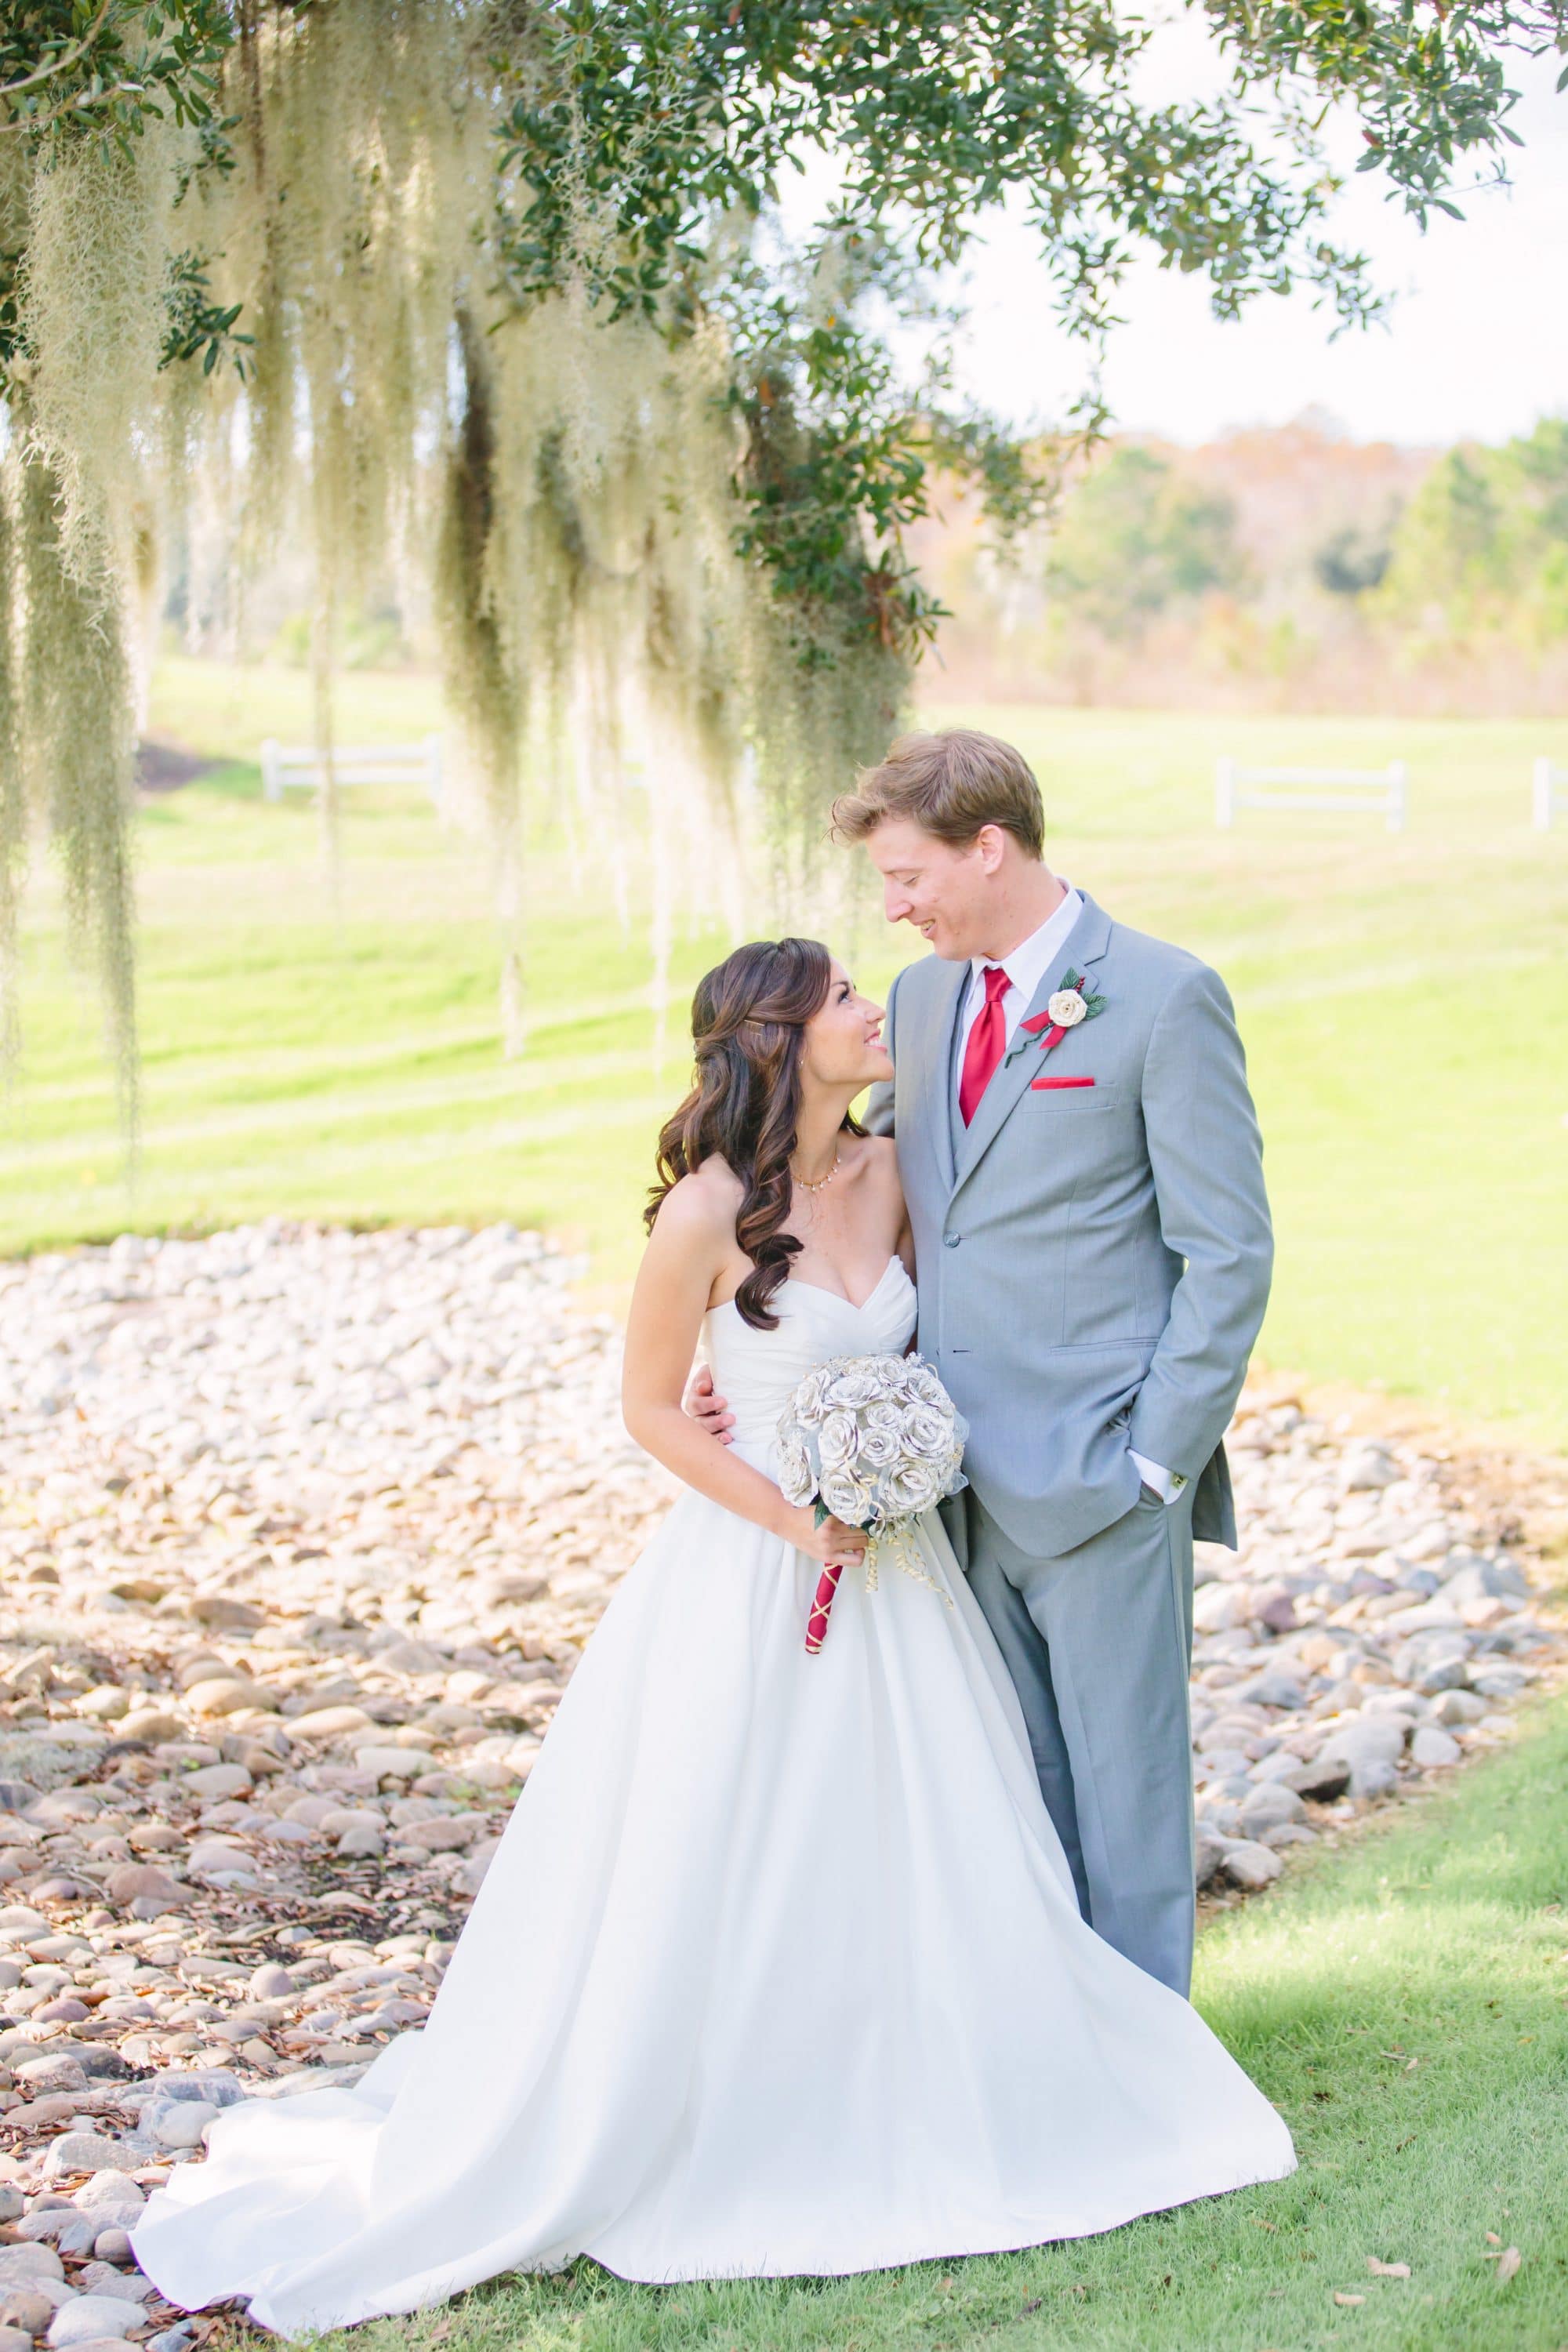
1093,1261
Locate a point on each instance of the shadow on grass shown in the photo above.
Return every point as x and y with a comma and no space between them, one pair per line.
163,769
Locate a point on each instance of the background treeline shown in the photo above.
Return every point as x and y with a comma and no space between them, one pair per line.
1287,569
1284,569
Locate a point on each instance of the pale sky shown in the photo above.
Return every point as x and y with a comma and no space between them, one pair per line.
1478,343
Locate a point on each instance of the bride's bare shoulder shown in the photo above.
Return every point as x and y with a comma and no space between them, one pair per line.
878,1156
701,1206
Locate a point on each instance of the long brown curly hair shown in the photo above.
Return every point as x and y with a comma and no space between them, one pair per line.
748,1024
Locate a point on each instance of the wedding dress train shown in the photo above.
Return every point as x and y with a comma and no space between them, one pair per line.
778,1968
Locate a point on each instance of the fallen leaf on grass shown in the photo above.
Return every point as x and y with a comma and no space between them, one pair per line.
1508,2262
1258,2223
1347,2298
1386,2270
1492,2238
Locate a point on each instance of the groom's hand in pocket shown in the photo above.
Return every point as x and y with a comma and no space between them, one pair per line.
709,1411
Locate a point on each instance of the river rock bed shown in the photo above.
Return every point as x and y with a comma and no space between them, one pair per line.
301,1534
1378,1622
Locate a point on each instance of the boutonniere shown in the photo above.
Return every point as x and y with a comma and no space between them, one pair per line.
1071,1004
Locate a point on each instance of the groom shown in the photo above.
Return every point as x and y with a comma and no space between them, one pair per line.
1082,1165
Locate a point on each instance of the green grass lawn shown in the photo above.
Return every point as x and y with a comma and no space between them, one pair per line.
1402,2002
1403,1000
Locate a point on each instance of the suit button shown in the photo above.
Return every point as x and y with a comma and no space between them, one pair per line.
950,1241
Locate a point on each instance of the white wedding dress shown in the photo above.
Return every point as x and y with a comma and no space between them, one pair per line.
778,1968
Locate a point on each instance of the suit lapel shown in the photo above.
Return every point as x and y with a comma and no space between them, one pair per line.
1084,945
934,1067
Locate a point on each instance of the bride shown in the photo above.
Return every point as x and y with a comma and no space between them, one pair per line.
779,1968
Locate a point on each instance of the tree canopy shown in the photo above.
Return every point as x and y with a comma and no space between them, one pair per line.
501,285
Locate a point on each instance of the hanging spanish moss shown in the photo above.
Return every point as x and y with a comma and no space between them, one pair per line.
303,314
90,291
75,708
480,661
12,798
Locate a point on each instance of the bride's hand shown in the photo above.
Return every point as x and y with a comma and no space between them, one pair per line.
832,1543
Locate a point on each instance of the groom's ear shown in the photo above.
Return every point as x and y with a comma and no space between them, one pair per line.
990,846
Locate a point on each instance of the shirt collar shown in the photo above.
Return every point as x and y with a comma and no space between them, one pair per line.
1026,966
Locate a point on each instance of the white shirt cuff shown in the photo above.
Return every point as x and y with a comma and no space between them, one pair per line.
1167,1483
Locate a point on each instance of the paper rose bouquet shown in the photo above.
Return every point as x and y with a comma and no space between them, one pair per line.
873,1441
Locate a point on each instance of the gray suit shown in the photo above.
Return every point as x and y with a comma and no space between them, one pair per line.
1093,1266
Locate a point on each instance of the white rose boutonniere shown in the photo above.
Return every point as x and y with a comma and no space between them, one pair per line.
1065,1007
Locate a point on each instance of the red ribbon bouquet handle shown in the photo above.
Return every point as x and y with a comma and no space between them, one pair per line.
817,1623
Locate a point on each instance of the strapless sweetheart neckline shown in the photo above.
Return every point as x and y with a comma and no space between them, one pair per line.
857,1306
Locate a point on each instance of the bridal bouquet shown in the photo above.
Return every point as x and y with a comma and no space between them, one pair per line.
873,1441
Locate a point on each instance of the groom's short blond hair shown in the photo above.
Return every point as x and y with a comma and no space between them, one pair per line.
950,783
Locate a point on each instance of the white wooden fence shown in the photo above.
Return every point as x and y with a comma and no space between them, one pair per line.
1550,795
1363,789
353,764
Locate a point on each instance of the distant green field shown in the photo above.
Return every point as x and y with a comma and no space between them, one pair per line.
1405,1002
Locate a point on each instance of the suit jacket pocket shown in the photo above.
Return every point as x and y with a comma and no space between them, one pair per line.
1067,1091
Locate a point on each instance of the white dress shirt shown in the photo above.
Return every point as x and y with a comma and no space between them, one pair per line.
1025,968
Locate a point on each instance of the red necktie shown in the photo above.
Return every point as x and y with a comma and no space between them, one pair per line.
986,1040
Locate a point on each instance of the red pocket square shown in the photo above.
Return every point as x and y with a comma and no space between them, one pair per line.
1037,1085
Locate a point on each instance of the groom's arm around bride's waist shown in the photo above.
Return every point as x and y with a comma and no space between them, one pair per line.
1206,1157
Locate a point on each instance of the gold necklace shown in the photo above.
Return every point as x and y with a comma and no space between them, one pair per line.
823,1181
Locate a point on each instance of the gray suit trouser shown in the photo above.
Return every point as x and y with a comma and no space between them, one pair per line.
1099,1643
